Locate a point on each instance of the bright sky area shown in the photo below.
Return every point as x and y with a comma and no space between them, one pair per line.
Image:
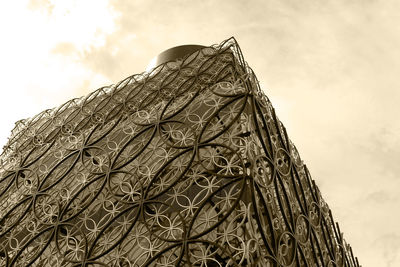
331,69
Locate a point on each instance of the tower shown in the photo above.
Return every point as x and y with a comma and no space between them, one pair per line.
184,165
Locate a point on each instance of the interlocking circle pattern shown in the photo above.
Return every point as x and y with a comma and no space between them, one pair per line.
185,165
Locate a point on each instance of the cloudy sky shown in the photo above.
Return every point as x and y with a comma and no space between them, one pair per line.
331,69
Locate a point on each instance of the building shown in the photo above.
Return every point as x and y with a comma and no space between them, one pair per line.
183,165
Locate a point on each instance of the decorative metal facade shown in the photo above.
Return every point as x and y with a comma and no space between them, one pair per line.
185,165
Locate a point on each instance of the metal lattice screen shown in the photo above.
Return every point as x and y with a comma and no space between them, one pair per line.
185,165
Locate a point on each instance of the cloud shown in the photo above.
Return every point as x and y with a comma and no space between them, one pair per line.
380,197
64,48
389,247
43,5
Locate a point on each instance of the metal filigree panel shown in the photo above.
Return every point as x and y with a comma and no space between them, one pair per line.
186,165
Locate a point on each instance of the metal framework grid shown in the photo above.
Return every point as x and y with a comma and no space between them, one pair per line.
185,165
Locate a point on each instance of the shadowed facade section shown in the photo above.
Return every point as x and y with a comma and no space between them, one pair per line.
184,165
